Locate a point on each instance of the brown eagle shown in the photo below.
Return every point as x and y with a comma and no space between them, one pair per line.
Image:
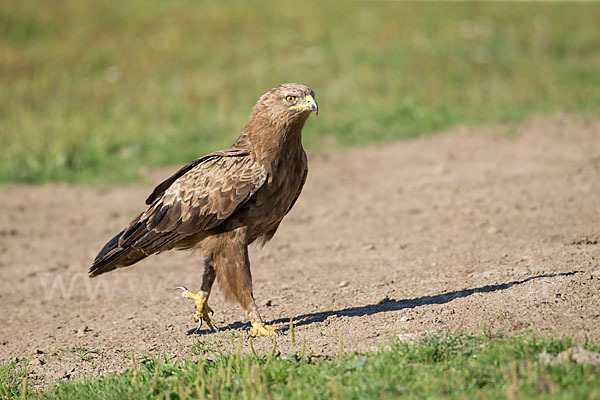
224,201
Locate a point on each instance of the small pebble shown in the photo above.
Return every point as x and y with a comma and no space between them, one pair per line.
343,283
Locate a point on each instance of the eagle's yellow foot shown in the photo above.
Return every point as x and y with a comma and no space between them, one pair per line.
260,328
202,308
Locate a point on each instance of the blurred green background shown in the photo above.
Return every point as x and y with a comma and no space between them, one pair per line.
96,91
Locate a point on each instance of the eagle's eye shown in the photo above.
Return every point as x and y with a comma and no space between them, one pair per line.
290,99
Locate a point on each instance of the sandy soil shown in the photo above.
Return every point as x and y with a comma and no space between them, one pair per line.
477,228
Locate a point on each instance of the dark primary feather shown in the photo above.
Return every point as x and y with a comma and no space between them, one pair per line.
113,256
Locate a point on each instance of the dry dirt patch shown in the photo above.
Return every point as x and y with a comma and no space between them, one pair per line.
458,231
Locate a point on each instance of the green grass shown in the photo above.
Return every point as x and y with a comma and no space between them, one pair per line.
99,90
455,367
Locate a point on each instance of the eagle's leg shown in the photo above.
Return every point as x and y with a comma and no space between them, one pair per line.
233,273
201,298
259,328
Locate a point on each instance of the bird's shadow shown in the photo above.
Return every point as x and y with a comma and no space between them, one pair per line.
387,305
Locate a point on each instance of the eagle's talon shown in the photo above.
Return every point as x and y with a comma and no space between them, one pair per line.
197,330
202,309
262,329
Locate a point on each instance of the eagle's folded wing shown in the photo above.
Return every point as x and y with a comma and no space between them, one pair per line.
199,199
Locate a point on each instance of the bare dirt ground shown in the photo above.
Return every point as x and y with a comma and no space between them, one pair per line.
490,228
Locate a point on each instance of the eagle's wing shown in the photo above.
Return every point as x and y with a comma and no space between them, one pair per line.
198,197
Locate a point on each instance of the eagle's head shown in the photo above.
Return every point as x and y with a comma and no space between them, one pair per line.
287,103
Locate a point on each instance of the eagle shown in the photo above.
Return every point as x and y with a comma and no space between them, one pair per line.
221,203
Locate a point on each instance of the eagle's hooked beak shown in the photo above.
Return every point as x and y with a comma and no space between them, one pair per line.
310,104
